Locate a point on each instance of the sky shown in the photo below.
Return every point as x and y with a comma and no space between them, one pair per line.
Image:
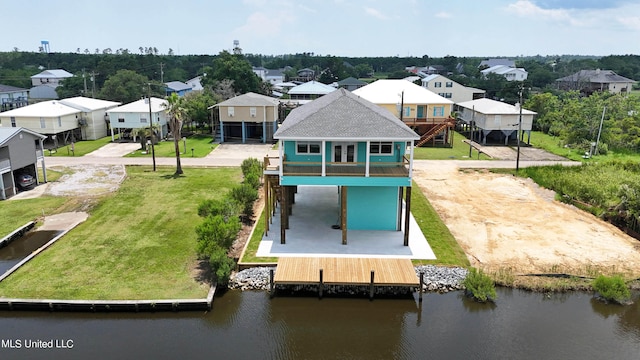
346,28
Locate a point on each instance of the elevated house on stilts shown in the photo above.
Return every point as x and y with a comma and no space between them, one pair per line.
352,147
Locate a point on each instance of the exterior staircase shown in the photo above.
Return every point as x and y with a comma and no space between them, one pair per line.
449,123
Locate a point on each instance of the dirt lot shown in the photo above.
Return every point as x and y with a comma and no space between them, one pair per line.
503,222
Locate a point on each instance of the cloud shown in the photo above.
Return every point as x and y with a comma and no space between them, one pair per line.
632,22
578,4
375,13
526,8
443,15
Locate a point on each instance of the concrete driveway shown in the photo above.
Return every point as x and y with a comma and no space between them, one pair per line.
115,150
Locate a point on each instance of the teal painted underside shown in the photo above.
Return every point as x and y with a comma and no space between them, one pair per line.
372,208
345,181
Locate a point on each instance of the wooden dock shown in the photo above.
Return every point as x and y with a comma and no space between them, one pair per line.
346,271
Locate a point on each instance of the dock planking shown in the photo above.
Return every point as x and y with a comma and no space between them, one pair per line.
346,271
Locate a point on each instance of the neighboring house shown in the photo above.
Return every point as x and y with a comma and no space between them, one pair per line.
195,83
55,120
304,75
272,76
344,141
248,116
494,120
508,72
485,64
428,113
50,77
260,72
309,91
93,120
135,115
588,81
284,87
42,93
20,151
351,83
66,120
12,97
450,89
177,87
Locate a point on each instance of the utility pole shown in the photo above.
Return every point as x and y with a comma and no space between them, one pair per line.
93,86
519,130
85,83
153,150
161,73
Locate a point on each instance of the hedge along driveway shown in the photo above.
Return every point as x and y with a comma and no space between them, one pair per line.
138,243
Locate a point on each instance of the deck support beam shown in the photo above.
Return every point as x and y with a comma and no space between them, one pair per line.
407,216
400,196
267,203
343,213
283,213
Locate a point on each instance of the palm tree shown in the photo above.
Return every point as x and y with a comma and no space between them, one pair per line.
176,112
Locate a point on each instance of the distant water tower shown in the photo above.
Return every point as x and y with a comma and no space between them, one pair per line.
236,47
44,46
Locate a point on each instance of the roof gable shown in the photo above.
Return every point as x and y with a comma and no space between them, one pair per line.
488,106
343,115
48,109
53,73
88,104
140,106
312,88
250,99
596,76
7,133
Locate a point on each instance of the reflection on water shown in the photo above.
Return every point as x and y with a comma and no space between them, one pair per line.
249,325
19,248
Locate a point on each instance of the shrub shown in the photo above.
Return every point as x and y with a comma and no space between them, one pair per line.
612,288
215,232
226,207
245,195
479,286
250,165
222,265
252,179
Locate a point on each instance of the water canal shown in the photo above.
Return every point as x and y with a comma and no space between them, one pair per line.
249,325
18,249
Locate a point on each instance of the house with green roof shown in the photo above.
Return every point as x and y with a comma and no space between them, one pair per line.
344,141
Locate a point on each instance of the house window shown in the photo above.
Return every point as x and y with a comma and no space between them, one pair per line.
13,121
143,118
407,111
449,84
42,124
438,111
381,148
252,111
447,95
120,119
59,121
307,147
230,111
437,84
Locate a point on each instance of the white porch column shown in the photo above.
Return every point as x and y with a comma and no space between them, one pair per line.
411,159
324,157
367,161
281,151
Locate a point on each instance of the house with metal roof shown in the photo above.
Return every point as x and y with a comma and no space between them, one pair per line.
20,152
177,87
93,120
310,90
426,112
12,97
50,78
248,116
508,72
344,141
484,64
589,81
351,83
450,89
495,121
139,114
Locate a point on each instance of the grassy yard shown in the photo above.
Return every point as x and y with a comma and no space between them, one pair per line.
15,213
81,148
444,245
138,243
201,145
459,151
552,144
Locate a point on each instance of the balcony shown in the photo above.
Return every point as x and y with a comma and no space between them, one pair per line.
356,169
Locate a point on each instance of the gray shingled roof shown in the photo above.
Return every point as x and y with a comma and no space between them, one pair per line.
9,88
351,81
596,76
250,99
6,133
343,115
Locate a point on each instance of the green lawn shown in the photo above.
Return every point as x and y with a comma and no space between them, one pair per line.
459,151
15,213
81,148
201,145
138,243
444,245
553,145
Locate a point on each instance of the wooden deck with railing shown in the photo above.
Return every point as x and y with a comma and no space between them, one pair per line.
376,168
